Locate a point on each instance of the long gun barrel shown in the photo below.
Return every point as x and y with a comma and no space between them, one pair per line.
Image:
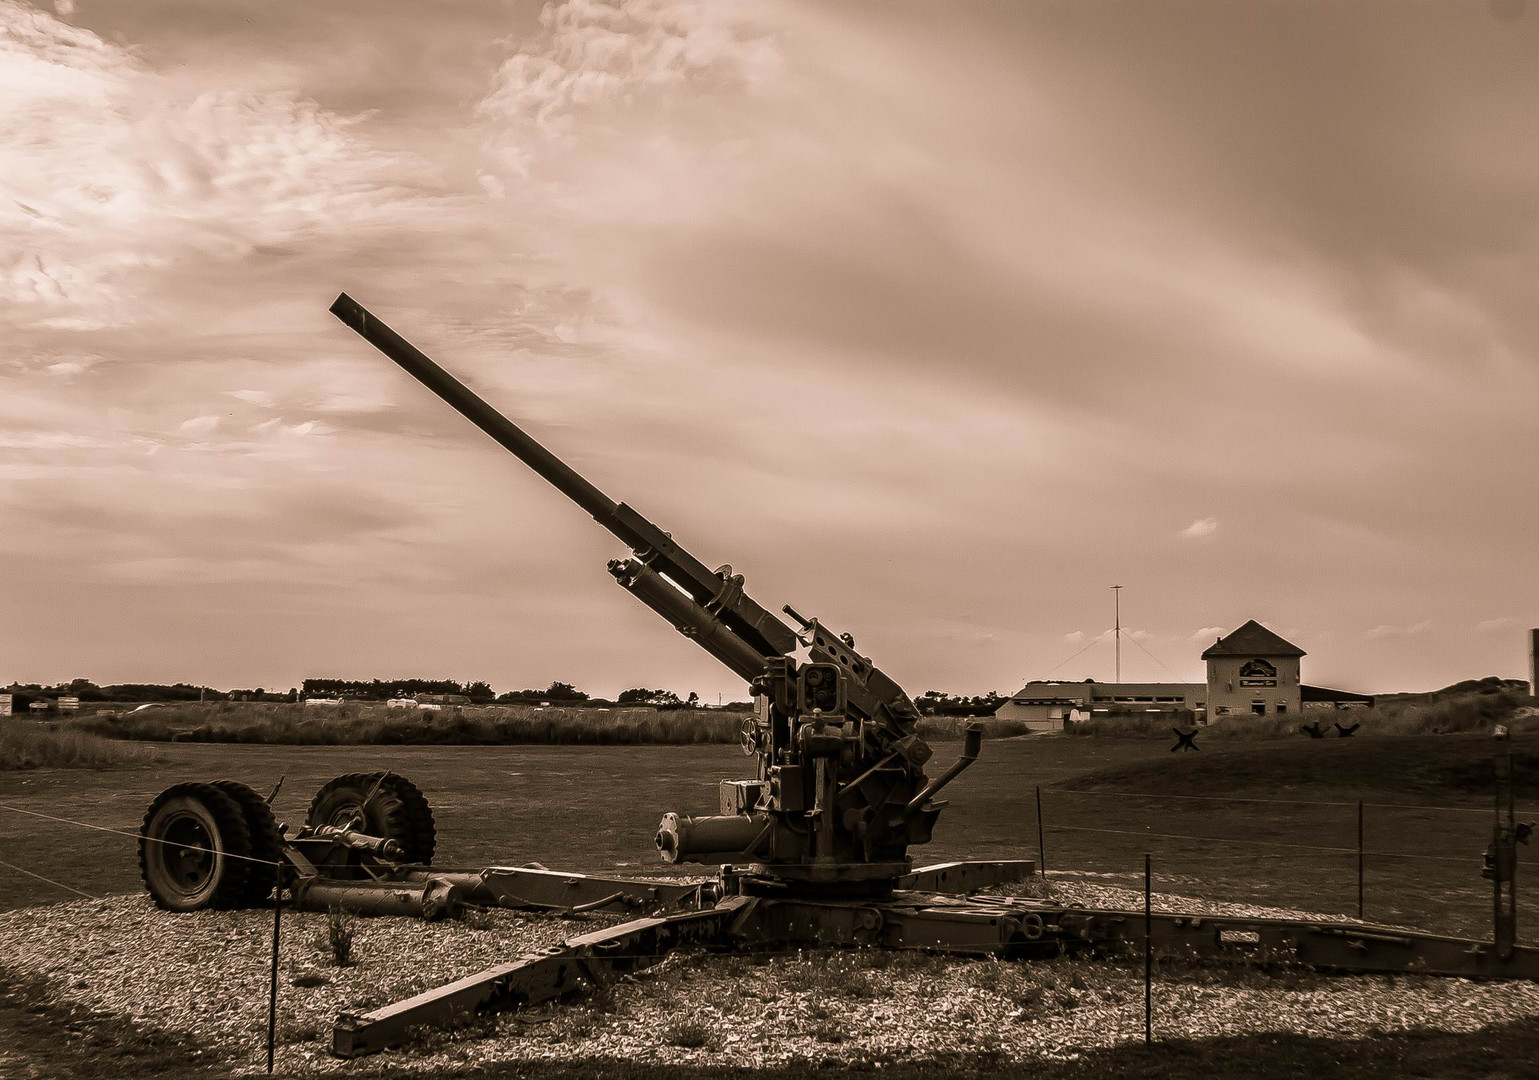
704,604
841,791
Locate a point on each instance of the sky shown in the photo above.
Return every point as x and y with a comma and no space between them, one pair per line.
933,320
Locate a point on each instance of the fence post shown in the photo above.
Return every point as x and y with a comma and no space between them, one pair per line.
1148,958
1359,858
1041,844
272,987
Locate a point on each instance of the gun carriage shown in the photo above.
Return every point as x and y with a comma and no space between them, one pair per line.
812,849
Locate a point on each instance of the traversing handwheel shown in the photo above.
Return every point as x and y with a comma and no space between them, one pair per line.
748,736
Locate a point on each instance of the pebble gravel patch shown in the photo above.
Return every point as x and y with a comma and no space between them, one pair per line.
205,975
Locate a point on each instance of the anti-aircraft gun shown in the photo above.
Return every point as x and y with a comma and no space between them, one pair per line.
840,792
813,848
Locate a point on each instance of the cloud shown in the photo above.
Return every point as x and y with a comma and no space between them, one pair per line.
1074,637
1201,529
1386,630
1209,633
299,430
1503,622
492,186
593,63
260,398
199,425
977,326
130,178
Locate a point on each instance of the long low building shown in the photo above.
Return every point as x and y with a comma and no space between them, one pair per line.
1048,706
1251,672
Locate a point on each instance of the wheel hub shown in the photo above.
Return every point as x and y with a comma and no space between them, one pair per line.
190,851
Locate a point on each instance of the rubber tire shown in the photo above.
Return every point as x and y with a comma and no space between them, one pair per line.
398,811
221,820
266,841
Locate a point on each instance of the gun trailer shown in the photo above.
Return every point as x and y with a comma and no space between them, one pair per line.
812,849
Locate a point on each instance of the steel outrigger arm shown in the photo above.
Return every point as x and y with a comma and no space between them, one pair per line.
583,963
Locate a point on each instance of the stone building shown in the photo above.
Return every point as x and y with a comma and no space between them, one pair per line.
1253,671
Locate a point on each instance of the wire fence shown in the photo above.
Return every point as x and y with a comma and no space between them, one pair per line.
1438,885
1419,864
275,867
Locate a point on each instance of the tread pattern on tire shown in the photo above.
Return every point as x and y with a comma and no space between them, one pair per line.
399,810
266,842
419,818
234,840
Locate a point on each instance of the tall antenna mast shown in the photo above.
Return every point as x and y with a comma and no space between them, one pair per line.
1117,627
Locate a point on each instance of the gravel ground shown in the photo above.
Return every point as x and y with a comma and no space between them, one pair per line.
205,975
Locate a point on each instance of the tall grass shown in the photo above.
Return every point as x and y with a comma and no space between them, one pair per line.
360,723
26,745
368,723
1430,715
954,727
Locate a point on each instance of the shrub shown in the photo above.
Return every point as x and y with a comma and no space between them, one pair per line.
341,928
689,1034
829,1032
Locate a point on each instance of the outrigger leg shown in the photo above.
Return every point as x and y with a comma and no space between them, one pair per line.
583,963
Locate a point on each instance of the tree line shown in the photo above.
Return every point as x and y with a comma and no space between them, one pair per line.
930,703
477,692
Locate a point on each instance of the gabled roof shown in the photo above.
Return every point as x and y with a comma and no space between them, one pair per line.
1252,639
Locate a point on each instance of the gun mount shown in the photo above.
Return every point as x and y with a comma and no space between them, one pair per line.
840,791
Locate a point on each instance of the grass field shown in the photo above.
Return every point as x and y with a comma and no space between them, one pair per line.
375,724
1106,802
1258,809
587,808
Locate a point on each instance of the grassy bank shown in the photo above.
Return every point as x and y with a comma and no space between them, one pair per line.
25,744
370,724
1446,769
1430,715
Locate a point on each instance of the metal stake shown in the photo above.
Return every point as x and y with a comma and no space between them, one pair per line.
1148,958
1359,858
1041,844
1503,867
272,987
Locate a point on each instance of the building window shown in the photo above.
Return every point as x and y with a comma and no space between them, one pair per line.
1258,707
1282,707
1258,672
